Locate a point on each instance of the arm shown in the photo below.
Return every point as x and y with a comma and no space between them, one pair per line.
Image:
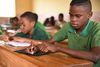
92,55
20,39
62,34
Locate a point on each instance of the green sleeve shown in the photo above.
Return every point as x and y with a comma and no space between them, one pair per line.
22,35
40,34
1,32
96,39
62,33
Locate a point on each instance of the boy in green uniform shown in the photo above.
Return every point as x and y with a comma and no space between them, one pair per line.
31,29
83,34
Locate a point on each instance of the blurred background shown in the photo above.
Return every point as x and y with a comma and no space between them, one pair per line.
45,8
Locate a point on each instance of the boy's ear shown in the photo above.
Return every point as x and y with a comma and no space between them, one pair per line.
33,23
90,14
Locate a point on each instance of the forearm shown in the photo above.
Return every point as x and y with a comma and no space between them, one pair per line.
20,39
80,54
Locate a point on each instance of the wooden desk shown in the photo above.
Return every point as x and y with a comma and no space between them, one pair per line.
51,30
9,58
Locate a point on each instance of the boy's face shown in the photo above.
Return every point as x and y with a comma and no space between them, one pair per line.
26,25
60,18
79,16
14,23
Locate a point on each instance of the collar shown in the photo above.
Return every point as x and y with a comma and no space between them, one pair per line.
85,31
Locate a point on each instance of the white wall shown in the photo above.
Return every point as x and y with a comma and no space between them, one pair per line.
47,8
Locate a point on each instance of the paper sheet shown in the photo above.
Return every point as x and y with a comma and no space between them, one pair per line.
2,42
14,43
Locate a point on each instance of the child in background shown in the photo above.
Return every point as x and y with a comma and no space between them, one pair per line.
14,23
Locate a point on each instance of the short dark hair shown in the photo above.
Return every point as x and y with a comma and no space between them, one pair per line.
86,3
61,14
30,15
13,19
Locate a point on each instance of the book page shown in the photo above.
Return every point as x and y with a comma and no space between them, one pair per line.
14,43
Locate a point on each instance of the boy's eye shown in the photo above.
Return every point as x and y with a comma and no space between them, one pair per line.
71,15
78,16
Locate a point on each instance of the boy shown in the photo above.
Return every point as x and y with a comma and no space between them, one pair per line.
31,29
83,34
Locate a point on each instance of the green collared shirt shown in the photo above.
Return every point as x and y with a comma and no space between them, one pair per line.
39,33
1,31
85,41
15,27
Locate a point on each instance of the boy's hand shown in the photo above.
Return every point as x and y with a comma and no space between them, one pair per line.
5,38
45,47
52,48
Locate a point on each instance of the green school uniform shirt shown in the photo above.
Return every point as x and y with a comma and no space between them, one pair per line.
39,33
1,31
15,27
85,41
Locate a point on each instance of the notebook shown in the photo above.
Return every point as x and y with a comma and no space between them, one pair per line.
21,44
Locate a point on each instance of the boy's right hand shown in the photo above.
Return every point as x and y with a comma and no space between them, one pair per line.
5,37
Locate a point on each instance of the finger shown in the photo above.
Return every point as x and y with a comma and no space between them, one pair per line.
46,50
27,50
34,42
43,48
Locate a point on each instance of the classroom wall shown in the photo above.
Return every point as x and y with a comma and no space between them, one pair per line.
42,6
50,6
47,8
23,5
96,5
96,10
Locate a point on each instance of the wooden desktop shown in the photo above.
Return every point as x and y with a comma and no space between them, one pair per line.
9,58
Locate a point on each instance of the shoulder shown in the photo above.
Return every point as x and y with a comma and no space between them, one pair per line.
95,30
95,26
95,33
40,30
64,29
39,25
67,25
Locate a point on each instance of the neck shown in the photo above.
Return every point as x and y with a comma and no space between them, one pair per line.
30,33
32,29
81,28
